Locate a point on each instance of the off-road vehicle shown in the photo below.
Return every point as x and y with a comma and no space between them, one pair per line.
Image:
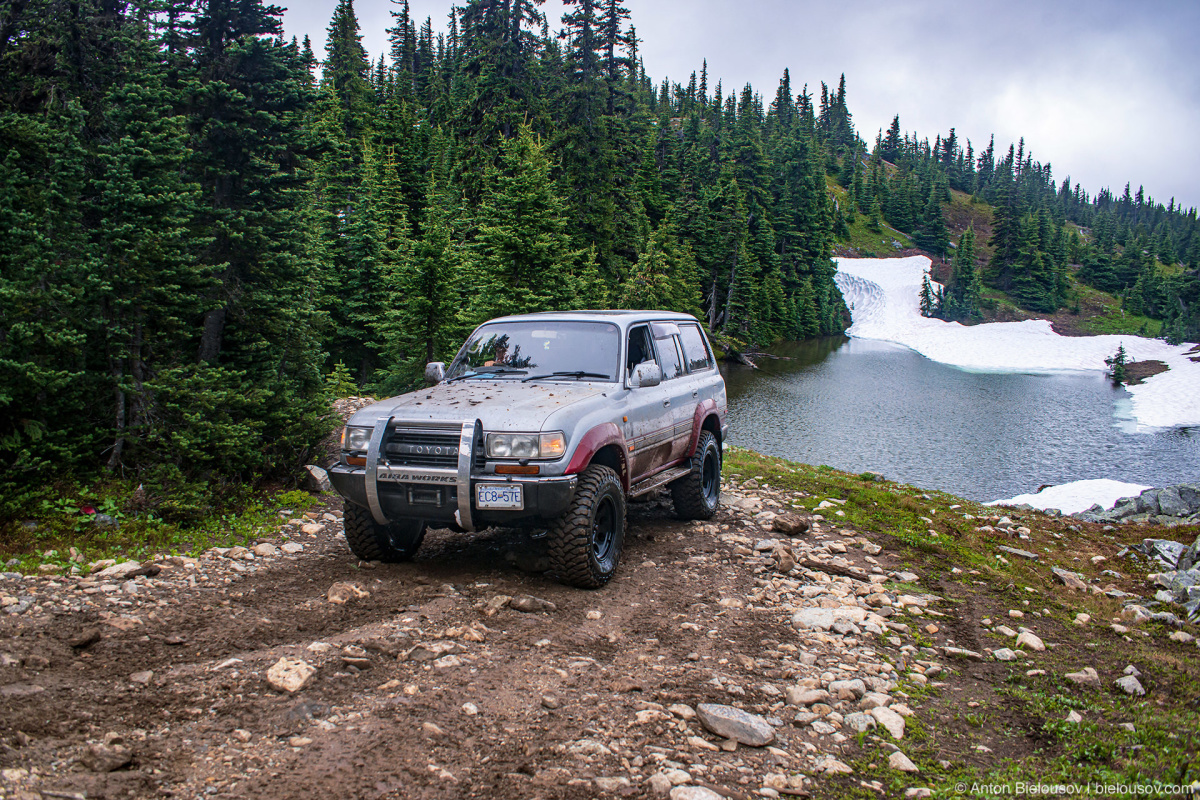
552,420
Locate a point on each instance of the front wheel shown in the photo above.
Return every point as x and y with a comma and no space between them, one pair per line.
586,541
697,494
391,543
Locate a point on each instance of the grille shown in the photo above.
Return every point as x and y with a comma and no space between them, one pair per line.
423,447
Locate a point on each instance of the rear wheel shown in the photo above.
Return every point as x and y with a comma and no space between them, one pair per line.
586,541
391,543
697,494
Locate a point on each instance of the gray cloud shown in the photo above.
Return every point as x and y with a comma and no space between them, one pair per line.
1106,91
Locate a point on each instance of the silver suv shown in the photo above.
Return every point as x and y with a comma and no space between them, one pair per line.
552,419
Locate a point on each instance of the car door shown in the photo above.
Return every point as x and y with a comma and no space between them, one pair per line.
646,419
680,399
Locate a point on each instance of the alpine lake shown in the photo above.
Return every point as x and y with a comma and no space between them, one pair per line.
866,406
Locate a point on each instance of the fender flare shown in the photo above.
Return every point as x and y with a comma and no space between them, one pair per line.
703,410
592,442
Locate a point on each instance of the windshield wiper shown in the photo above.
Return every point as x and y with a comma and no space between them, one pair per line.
489,371
574,374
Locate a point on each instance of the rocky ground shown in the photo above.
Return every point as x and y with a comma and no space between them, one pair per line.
741,657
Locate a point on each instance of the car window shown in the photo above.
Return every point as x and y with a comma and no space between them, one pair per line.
639,349
695,349
668,354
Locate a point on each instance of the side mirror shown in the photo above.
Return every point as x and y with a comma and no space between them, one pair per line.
646,374
435,372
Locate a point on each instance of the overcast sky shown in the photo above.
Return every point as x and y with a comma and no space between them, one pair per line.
1107,91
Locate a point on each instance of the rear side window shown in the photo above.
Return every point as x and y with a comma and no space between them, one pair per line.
695,349
668,350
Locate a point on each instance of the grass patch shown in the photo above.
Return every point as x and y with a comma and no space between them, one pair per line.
992,724
115,520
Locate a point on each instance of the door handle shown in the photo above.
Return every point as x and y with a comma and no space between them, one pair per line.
695,392
666,403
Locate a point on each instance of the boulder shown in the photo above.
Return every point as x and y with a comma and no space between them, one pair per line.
1147,501
1172,504
317,479
789,524
734,723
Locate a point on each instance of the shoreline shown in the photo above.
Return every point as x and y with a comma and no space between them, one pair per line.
883,295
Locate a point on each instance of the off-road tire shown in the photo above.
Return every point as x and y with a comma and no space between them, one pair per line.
698,494
585,543
370,541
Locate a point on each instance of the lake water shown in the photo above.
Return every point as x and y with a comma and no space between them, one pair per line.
860,405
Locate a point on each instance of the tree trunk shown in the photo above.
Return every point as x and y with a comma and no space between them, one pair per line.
210,340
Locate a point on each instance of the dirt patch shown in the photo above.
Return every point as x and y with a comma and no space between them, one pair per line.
1137,371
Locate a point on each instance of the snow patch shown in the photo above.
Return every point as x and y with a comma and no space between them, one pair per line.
883,294
1071,498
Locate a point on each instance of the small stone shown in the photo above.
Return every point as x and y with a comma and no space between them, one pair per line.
660,783
595,615
105,758
265,550
931,628
918,792
1130,685
470,709
290,675
1082,619
789,524
142,678
431,729
701,744
901,762
831,766
529,604
1004,654
1030,640
694,793
889,719
311,528
299,741
798,696
606,784
682,711
1182,637
734,723
86,639
1127,726
242,735
291,548
859,722
549,701
341,593
1074,717
1085,677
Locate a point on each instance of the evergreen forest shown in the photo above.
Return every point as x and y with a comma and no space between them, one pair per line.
207,229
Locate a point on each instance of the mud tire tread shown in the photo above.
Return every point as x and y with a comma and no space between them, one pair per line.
687,493
371,541
570,545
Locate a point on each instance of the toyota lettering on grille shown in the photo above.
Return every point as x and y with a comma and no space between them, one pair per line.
424,449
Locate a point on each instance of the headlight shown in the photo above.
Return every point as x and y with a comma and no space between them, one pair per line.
526,445
355,438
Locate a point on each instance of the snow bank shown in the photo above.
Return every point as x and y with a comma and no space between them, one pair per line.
883,294
1071,498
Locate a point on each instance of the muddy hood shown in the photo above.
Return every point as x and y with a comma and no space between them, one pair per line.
501,405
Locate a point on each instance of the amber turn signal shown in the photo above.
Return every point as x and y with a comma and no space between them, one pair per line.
356,461
517,469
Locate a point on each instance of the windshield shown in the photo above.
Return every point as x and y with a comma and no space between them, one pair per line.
583,351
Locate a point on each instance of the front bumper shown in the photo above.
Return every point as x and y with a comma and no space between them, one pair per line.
445,495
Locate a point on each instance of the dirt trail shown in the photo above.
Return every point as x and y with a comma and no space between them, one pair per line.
423,690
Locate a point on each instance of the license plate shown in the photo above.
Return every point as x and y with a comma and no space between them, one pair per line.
499,495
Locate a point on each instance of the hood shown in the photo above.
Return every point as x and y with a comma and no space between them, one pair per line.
502,405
